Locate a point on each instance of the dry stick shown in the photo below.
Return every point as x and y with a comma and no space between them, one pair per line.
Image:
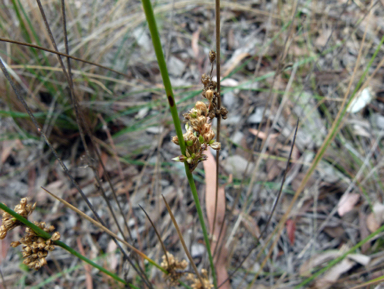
65,169
61,54
80,117
217,20
273,207
182,241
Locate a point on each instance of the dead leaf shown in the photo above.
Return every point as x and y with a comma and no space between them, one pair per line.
317,260
88,276
364,232
334,274
323,37
376,218
228,67
291,228
360,258
112,259
8,145
229,82
263,135
210,198
347,202
195,42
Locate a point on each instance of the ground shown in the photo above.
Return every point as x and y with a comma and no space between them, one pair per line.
318,64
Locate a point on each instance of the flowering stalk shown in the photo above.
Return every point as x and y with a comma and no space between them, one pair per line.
199,133
168,89
45,235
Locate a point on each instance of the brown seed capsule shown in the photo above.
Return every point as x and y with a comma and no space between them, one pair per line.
209,95
15,244
27,249
216,146
42,254
27,260
3,234
201,106
56,236
212,56
175,140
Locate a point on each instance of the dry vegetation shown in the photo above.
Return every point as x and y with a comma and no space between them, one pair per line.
282,61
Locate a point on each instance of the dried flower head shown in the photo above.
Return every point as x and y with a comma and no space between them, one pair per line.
9,222
199,133
174,267
212,56
196,283
34,248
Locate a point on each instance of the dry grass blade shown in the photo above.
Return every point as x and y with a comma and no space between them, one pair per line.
61,54
182,240
157,234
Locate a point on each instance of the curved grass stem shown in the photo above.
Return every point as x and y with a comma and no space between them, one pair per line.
172,105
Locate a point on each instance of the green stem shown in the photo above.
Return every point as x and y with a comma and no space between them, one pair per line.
45,235
172,105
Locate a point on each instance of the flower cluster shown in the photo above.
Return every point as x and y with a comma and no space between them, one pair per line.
196,283
175,268
34,248
9,222
199,133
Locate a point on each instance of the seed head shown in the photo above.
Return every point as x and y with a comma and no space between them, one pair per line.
175,140
212,56
201,106
216,146
209,95
56,236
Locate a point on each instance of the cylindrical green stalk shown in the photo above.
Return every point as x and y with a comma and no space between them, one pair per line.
172,105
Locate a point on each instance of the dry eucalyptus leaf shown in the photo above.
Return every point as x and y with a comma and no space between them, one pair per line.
376,218
317,260
334,273
347,202
210,198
